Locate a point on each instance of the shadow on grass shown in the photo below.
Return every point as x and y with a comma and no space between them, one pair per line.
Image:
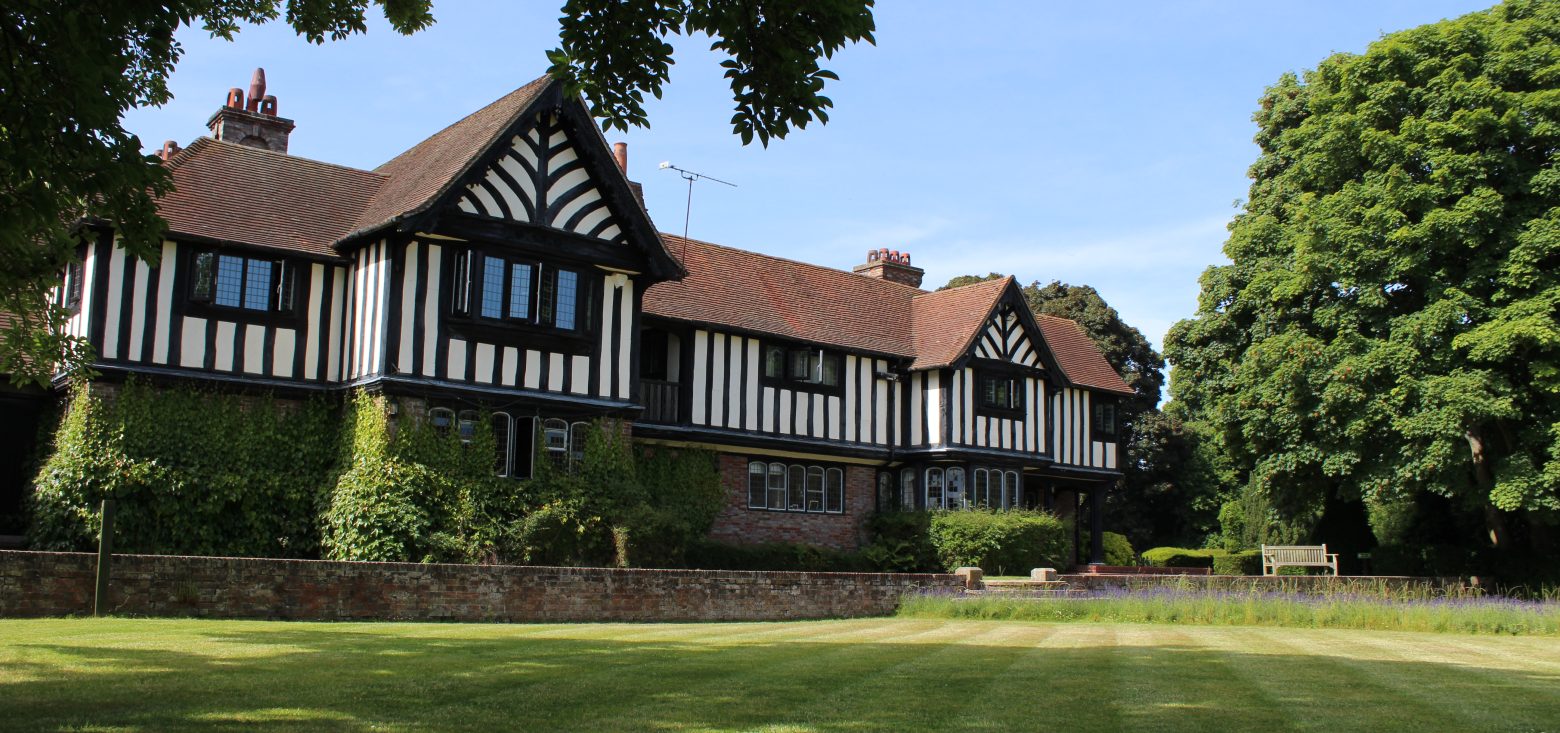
845,677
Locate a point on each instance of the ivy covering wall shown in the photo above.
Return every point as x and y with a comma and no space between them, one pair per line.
203,473
191,472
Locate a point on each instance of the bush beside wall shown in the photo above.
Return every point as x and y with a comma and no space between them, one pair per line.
1179,557
191,472
1000,542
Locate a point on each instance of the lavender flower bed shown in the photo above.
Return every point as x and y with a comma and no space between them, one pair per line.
1354,607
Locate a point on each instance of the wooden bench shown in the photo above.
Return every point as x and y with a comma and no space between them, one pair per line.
1298,556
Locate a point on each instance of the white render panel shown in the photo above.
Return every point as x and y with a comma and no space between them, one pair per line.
254,349
484,371
222,360
285,348
192,343
165,268
111,314
700,358
533,369
579,380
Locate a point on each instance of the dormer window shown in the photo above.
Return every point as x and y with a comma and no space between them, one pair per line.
242,283
1104,425
511,290
1001,392
802,367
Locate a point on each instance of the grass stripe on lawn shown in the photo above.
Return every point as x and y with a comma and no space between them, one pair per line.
803,677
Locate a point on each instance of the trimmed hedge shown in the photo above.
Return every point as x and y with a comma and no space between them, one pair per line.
999,542
1179,557
711,555
1248,562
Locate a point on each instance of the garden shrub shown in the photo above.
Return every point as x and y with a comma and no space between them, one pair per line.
782,556
999,542
191,472
1118,549
414,493
1246,562
901,543
1179,557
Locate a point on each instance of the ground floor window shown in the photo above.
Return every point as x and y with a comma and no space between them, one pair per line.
796,487
995,489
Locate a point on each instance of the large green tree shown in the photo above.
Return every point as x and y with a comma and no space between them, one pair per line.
1167,494
72,69
1387,329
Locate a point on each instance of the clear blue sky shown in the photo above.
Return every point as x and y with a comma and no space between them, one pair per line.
1093,143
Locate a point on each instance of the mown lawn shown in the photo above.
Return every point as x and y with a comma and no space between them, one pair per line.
877,674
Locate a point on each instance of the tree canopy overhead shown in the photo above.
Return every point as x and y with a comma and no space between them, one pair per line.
615,51
73,69
1387,328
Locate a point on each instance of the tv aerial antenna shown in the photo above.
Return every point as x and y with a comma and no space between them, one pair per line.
690,177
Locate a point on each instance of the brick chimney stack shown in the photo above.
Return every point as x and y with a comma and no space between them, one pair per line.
891,265
255,124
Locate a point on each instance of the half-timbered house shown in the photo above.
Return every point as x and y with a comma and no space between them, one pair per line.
506,267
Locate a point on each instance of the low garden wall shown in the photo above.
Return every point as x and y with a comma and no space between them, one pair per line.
62,583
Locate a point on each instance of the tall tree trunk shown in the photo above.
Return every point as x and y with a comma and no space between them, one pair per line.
1484,479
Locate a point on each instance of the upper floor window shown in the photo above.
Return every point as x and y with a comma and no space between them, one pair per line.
516,291
1001,392
1104,424
802,366
73,285
244,283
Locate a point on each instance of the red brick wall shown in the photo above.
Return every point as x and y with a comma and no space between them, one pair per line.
61,583
740,525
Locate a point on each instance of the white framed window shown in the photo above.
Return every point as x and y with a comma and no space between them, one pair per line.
934,489
953,493
814,489
441,418
795,488
758,485
907,488
502,444
980,488
555,440
776,486
579,432
466,425
1011,482
834,491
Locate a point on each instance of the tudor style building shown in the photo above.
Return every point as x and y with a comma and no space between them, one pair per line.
507,266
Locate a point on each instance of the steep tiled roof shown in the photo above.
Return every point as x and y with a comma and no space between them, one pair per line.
243,194
794,300
759,293
1078,356
416,177
945,323
247,195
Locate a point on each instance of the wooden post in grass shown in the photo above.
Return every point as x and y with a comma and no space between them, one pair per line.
105,547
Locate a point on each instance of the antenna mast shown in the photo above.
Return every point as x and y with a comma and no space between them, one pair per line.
690,177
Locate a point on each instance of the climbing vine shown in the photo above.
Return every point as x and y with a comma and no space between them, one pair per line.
191,472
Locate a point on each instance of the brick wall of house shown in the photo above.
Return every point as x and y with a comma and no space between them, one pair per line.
740,525
59,584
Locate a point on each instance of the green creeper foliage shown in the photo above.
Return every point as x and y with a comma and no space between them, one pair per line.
614,52
1387,329
72,70
191,472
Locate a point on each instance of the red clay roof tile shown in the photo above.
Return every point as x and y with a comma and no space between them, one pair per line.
1078,356
238,193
